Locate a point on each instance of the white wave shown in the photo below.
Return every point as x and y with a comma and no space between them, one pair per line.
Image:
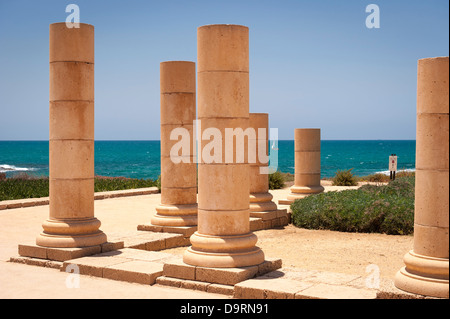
11,168
402,170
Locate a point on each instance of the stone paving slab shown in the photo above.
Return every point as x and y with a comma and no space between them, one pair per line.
126,264
145,267
270,219
269,287
92,265
287,284
186,231
139,240
152,241
296,283
195,285
36,262
176,268
137,254
327,291
138,271
63,254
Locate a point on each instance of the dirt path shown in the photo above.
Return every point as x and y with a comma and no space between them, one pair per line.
334,251
324,250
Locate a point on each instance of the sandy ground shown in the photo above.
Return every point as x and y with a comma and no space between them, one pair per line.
336,251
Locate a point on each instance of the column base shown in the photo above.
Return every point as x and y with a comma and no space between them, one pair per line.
424,275
299,192
262,202
223,251
45,254
175,215
177,269
71,233
70,241
306,190
246,258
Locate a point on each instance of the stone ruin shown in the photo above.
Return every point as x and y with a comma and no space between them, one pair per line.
218,222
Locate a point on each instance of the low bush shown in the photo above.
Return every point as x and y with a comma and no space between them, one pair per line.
18,188
377,178
276,180
345,178
387,209
120,183
26,186
158,183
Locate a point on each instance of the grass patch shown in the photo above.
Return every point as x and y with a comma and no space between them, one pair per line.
387,209
26,186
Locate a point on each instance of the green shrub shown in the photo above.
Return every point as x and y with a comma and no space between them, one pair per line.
288,177
25,186
119,183
345,178
276,180
18,188
158,183
385,209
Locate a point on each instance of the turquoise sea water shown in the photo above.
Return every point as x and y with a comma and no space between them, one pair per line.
141,159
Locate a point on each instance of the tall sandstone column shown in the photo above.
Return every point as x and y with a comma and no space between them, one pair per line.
427,265
179,173
71,151
223,238
260,198
307,165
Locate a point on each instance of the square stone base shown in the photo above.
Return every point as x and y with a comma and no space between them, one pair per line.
63,254
127,264
285,202
270,219
176,268
186,231
152,241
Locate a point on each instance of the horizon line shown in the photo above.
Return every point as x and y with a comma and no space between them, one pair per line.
152,140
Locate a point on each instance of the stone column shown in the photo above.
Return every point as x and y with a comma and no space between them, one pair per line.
178,173
71,150
427,265
307,165
223,238
260,198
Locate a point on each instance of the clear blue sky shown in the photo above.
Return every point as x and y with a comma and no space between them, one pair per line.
312,63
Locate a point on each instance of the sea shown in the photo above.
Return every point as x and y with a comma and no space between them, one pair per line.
141,159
